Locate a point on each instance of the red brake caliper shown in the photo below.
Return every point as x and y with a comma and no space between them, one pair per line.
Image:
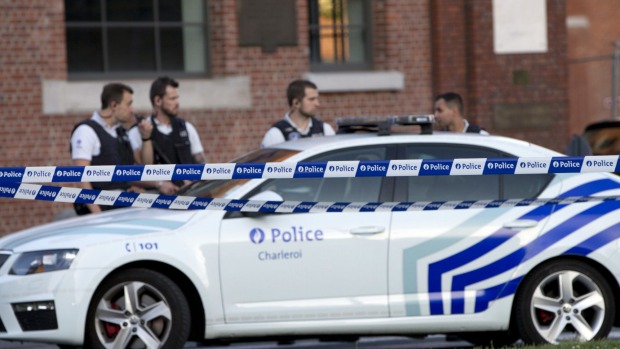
545,317
111,330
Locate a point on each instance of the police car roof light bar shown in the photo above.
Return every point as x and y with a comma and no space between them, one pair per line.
383,124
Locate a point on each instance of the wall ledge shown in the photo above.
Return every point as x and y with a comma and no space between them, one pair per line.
357,81
65,97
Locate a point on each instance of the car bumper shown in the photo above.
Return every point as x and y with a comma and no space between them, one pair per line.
49,307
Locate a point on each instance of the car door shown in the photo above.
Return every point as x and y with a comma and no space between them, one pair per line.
457,261
309,266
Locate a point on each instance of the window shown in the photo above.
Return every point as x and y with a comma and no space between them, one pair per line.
340,34
358,189
487,187
220,188
135,38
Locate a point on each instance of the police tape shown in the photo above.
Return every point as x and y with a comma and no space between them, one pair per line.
329,169
146,200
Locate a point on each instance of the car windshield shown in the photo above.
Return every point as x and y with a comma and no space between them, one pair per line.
220,188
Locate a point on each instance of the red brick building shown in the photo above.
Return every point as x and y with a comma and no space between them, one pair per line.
238,57
593,32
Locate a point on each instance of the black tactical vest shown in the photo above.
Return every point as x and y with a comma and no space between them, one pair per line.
473,129
174,148
114,151
290,133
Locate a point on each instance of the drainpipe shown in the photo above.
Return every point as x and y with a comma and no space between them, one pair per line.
614,81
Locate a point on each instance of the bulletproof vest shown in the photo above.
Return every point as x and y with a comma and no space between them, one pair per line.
473,129
174,148
290,133
114,151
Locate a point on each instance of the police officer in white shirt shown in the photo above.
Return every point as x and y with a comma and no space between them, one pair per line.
300,121
172,140
101,140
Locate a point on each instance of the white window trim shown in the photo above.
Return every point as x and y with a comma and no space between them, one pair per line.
63,97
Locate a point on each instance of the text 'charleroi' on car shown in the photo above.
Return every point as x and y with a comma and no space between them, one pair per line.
152,278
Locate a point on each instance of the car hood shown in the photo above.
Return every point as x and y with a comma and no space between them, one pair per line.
91,229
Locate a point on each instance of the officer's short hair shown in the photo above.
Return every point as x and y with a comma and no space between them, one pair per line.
297,90
113,92
452,99
158,87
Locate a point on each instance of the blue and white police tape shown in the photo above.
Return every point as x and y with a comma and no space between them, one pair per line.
386,168
145,200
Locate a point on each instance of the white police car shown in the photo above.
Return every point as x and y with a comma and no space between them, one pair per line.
150,278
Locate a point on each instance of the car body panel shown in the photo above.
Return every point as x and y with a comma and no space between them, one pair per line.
305,266
432,271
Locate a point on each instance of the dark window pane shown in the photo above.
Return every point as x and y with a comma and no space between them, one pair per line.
172,49
356,50
447,188
129,10
82,10
127,30
84,50
131,49
525,186
331,189
315,44
170,11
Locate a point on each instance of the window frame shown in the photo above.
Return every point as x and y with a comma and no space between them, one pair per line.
314,44
103,24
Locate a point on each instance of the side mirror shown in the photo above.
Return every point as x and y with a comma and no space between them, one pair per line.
267,195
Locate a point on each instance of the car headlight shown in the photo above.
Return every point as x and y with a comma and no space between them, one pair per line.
37,262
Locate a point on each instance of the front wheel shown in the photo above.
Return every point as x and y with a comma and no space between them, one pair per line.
138,308
564,301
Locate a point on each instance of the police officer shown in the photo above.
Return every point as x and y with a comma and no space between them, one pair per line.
300,121
101,140
172,140
449,114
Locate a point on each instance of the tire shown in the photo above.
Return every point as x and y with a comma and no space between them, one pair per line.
565,300
157,316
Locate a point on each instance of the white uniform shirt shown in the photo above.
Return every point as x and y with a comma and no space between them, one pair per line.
194,139
84,141
275,136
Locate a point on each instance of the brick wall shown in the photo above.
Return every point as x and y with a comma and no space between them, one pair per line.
454,53
465,62
490,76
32,41
449,47
32,38
590,49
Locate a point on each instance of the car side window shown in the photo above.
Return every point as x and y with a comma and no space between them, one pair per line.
486,187
524,186
448,188
331,189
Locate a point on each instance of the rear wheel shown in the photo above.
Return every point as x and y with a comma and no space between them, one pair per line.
138,308
564,301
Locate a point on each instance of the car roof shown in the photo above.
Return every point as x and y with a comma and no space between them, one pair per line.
603,124
506,144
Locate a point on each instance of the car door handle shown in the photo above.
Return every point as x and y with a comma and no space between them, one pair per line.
521,224
367,230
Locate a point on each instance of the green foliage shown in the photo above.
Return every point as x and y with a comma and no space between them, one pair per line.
603,344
